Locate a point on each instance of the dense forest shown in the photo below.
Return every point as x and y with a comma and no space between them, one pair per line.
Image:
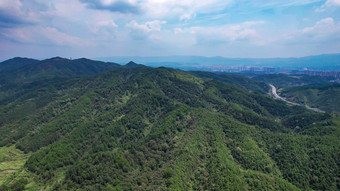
104,126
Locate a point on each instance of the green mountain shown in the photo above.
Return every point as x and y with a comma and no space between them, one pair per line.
30,74
131,64
141,128
325,97
247,83
54,67
16,62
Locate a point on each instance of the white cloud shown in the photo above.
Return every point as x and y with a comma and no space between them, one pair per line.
182,9
16,12
320,26
61,38
161,9
282,3
155,25
107,23
325,30
333,2
107,28
10,5
252,23
329,3
135,26
187,16
224,34
43,35
178,31
65,9
145,30
149,26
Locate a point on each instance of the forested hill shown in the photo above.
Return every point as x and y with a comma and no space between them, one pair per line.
242,81
19,76
141,128
325,97
16,62
19,69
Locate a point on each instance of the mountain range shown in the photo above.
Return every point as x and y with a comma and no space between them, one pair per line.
317,62
91,125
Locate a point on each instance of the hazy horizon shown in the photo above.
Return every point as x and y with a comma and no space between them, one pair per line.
169,56
230,29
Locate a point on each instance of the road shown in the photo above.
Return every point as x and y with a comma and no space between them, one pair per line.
281,98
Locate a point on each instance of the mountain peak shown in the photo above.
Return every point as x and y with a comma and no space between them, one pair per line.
16,62
57,58
132,64
15,59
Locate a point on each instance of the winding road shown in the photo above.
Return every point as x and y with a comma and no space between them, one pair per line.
281,98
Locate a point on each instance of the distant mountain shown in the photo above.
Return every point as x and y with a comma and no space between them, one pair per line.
143,128
132,64
20,75
319,62
16,62
53,67
64,67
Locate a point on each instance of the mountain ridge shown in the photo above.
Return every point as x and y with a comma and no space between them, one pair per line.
161,128
16,62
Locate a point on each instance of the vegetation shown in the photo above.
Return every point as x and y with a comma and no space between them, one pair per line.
324,97
11,160
141,128
249,84
16,62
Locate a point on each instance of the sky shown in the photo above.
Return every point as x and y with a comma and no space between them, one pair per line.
229,28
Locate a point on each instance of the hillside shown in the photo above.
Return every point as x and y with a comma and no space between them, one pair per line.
144,128
325,97
242,81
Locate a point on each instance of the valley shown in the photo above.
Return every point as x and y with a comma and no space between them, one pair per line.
169,95
289,102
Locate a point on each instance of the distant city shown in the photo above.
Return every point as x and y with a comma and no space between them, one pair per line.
318,65
269,70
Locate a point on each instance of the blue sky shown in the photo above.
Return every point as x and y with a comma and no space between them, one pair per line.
228,28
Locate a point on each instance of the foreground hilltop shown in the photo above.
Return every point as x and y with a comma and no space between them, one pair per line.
142,128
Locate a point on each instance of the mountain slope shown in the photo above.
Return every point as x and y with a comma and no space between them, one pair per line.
249,84
325,97
158,129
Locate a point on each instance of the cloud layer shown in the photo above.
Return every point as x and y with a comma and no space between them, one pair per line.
95,28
